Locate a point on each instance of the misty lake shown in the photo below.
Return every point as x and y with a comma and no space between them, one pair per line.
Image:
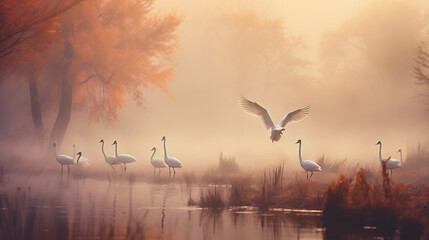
48,206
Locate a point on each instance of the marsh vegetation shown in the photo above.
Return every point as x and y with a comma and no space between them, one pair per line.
141,206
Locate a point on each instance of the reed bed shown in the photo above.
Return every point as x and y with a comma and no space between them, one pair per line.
353,204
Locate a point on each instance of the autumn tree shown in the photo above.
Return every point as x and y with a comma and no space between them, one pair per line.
104,51
27,29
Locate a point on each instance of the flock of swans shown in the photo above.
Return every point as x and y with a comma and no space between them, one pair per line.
277,130
248,106
119,159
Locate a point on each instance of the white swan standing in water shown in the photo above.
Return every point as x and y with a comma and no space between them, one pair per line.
83,161
171,161
156,162
309,166
63,160
111,160
123,158
391,163
276,130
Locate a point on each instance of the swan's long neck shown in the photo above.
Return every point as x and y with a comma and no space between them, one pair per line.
400,155
102,150
300,158
56,154
116,150
165,150
74,151
379,154
152,155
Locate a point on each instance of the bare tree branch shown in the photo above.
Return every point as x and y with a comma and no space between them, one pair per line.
420,95
19,31
99,76
421,61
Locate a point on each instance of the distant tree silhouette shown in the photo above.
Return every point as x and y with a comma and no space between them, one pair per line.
379,39
261,45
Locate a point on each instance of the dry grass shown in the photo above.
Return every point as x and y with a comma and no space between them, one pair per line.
331,166
417,158
227,165
241,192
271,188
223,173
2,175
191,201
303,194
353,203
211,198
273,192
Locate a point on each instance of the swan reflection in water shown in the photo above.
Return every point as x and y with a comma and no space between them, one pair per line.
278,222
163,212
210,219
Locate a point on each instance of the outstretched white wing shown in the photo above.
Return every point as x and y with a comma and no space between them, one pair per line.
255,109
294,116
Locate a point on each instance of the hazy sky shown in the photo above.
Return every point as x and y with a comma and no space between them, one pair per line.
200,116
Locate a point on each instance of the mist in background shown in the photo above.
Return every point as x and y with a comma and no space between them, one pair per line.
350,61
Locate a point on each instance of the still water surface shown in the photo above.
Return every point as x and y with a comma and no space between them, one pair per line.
82,208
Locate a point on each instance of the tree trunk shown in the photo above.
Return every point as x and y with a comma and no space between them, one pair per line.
64,112
36,112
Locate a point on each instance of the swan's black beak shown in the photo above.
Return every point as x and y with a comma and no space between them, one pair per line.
281,133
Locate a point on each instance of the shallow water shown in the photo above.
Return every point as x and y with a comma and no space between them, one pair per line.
67,208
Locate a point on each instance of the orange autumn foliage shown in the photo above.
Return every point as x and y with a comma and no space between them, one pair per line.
105,49
27,28
118,47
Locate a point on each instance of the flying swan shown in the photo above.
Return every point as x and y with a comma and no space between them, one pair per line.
276,130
